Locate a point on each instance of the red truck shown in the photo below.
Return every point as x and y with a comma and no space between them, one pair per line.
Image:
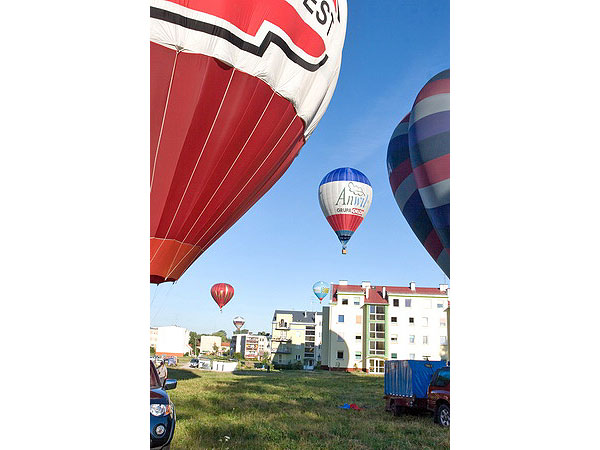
438,396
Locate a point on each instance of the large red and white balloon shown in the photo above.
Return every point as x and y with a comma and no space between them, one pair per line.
236,88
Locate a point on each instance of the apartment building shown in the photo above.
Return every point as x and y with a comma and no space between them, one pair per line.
296,338
251,346
364,325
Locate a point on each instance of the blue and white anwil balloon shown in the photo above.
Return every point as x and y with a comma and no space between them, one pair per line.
345,196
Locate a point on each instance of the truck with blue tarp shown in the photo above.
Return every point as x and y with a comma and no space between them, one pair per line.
406,383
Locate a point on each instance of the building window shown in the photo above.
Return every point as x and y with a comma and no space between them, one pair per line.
411,320
394,355
377,347
341,318
297,357
394,338
408,302
425,340
396,302
344,301
357,301
358,355
440,305
340,355
394,321
411,356
376,366
358,337
443,340
425,321
426,357
376,312
442,321
377,330
411,339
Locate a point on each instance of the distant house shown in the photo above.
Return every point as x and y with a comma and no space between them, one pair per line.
225,348
208,343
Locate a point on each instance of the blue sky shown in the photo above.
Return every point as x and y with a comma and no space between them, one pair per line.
274,254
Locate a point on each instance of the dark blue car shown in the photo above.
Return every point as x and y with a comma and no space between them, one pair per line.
162,411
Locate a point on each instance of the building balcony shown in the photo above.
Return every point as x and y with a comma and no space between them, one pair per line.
281,339
282,326
283,350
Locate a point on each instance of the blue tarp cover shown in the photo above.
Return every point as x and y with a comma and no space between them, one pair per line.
406,378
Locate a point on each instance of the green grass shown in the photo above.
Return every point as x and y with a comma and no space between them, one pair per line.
292,410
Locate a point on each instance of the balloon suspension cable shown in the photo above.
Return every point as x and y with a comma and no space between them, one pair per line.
154,296
164,302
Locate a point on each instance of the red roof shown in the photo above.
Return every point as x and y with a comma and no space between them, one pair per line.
417,291
347,288
378,291
375,297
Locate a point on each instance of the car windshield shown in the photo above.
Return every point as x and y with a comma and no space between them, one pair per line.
154,378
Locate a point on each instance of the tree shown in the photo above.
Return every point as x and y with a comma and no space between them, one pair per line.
193,340
223,335
242,331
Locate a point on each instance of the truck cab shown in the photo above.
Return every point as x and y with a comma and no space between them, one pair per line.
438,396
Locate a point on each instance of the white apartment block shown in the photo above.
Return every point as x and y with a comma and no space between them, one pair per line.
364,325
296,338
172,341
153,337
251,346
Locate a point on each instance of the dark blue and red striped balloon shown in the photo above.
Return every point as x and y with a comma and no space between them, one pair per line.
419,168
402,182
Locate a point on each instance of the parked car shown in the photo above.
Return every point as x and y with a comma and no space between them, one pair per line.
406,383
438,396
162,411
194,363
171,361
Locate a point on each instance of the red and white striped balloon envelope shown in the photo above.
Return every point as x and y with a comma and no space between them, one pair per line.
236,88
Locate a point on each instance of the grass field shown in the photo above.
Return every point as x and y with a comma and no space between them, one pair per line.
292,410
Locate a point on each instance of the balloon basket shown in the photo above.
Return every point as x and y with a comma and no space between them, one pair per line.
344,251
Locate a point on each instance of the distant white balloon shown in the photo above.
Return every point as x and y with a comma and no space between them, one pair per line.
239,322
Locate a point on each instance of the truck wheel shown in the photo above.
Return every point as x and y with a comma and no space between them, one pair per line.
398,410
442,415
